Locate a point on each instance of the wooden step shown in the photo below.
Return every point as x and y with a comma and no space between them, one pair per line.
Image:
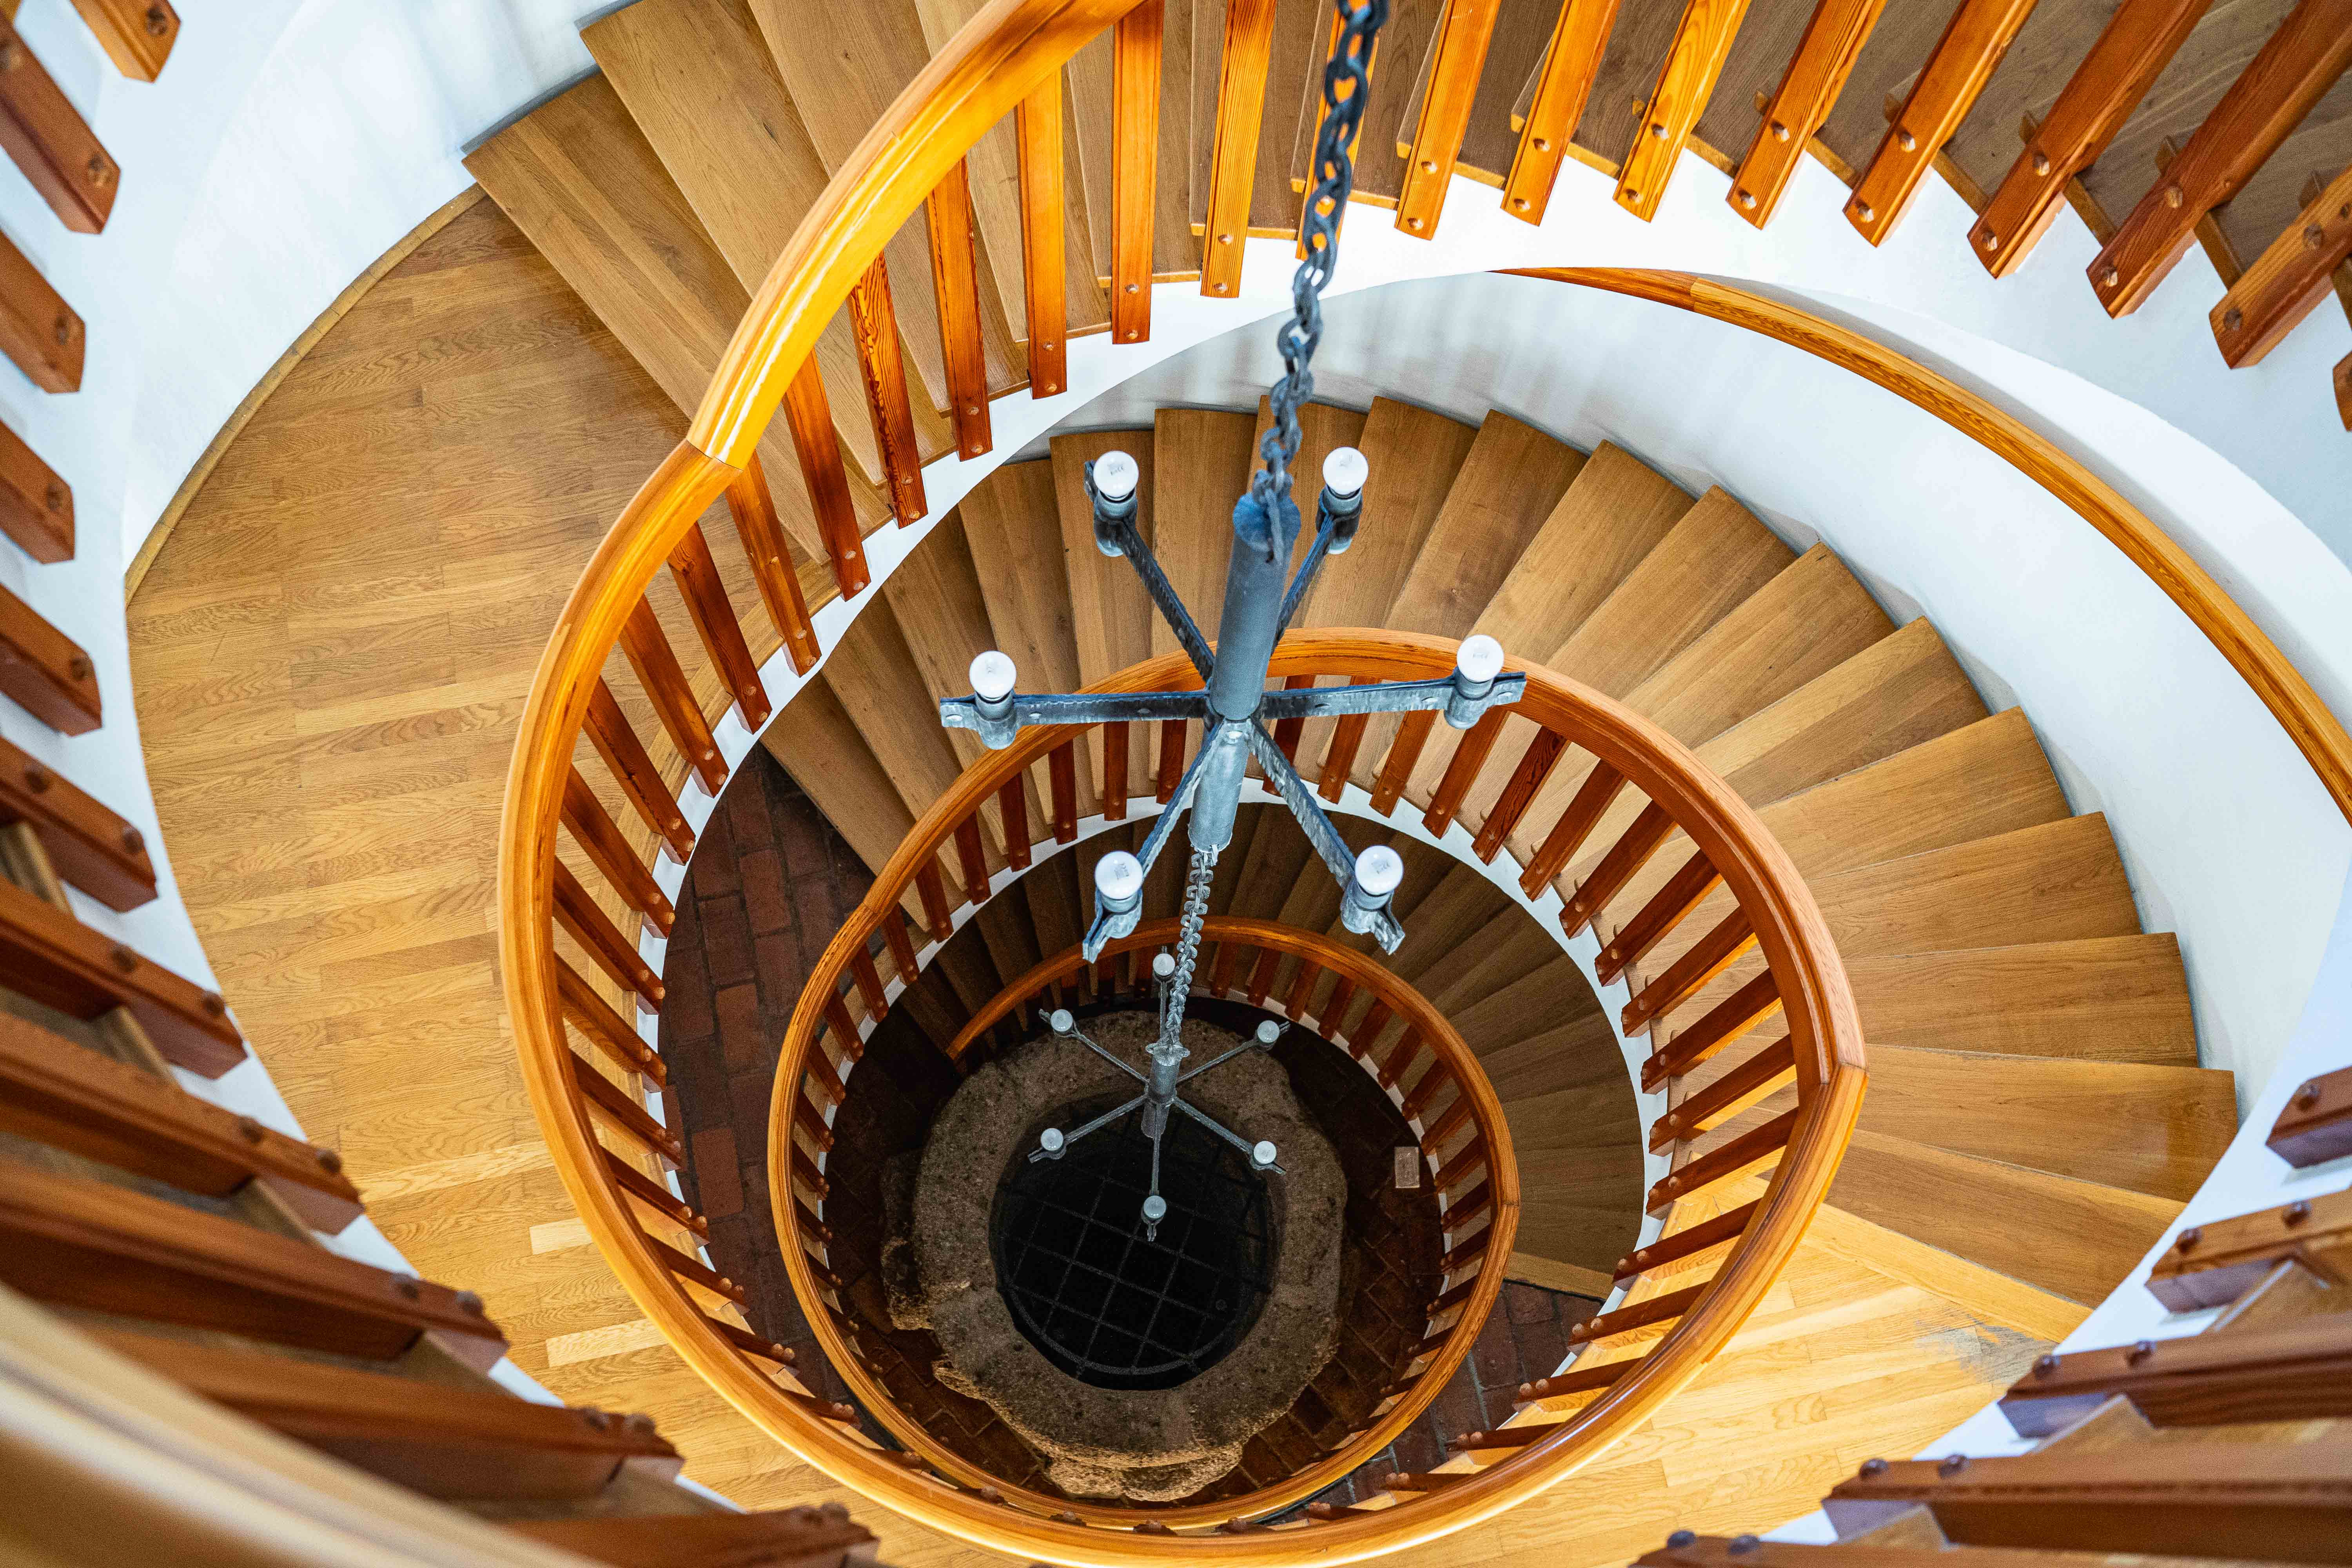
843,77
1581,1053
1509,485
2077,1239
1897,693
1537,1001
1613,513
698,80
1505,948
1280,858
1111,617
880,685
2113,999
1017,549
787,1538
1203,460
579,178
1456,906
1580,1157
1415,456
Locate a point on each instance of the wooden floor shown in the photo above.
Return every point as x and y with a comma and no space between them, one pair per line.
330,655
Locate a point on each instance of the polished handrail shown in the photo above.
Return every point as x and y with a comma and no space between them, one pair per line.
1824,1031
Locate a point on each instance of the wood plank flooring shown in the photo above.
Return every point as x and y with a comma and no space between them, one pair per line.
330,655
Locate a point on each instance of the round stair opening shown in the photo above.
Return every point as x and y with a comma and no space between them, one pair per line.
1097,1298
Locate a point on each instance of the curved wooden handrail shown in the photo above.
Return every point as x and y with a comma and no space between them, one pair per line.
2309,723
1825,1034
1453,1059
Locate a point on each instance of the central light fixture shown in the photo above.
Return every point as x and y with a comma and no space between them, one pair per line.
1233,705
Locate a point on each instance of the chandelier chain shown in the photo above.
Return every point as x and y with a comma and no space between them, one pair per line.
1335,168
1187,940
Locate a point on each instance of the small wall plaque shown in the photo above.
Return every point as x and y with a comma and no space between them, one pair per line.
1408,1167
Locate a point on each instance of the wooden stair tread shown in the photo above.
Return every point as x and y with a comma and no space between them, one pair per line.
2120,999
699,83
1513,477
579,177
1415,456
1202,459
2012,1217
1613,513
879,684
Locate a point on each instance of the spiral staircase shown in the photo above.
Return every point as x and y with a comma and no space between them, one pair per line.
1748,844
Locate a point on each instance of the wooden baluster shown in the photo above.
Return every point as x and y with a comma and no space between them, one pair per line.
636,1184
1469,756
587,924
1338,32
1724,1023
1172,760
755,510
1114,790
1367,1034
1400,1057
1973,42
1702,43
811,1229
686,1266
1262,974
634,770
1725,1160
38,331
1475,1202
1640,1315
1135,158
1473,1157
931,886
2294,274
1577,41
57,961
1396,769
1684,1245
1466,1255
470,1444
1535,767
1038,134
869,985
68,1098
1062,774
955,278
1561,1385
137,35
1335,1011
873,326
1629,854
1593,798
809,1121
1013,812
698,583
804,1171
35,506
2302,60
77,1242
902,946
1287,731
819,1067
664,679
624,1114
44,671
1683,893
1302,988
1708,957
844,1027
50,141
593,828
1459,57
809,415
1750,1081
1340,756
1232,165
1425,1093
972,860
2139,41
751,1344
91,847
1809,90
1221,971
1455,1117
606,1030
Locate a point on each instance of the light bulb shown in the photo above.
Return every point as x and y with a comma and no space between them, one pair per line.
1268,1031
993,675
1061,1023
1345,470
1163,966
1051,1141
1116,476
1479,659
1379,870
1263,1155
1155,1208
1118,876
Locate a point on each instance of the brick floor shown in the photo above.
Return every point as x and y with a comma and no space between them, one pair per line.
770,884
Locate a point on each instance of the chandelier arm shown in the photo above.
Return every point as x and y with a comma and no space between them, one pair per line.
1219,1128
1165,598
1303,583
1082,1039
1242,1049
1096,1125
1109,925
1383,697
1032,709
1337,858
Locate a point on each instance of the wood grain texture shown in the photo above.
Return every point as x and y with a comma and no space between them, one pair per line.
1234,131
1817,72
1571,63
137,35
1703,41
1456,59
45,672
49,141
2288,279
35,506
40,334
1966,57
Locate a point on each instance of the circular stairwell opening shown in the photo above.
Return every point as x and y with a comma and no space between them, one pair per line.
1100,1299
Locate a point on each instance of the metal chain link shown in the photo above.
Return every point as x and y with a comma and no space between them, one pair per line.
1188,942
1335,165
